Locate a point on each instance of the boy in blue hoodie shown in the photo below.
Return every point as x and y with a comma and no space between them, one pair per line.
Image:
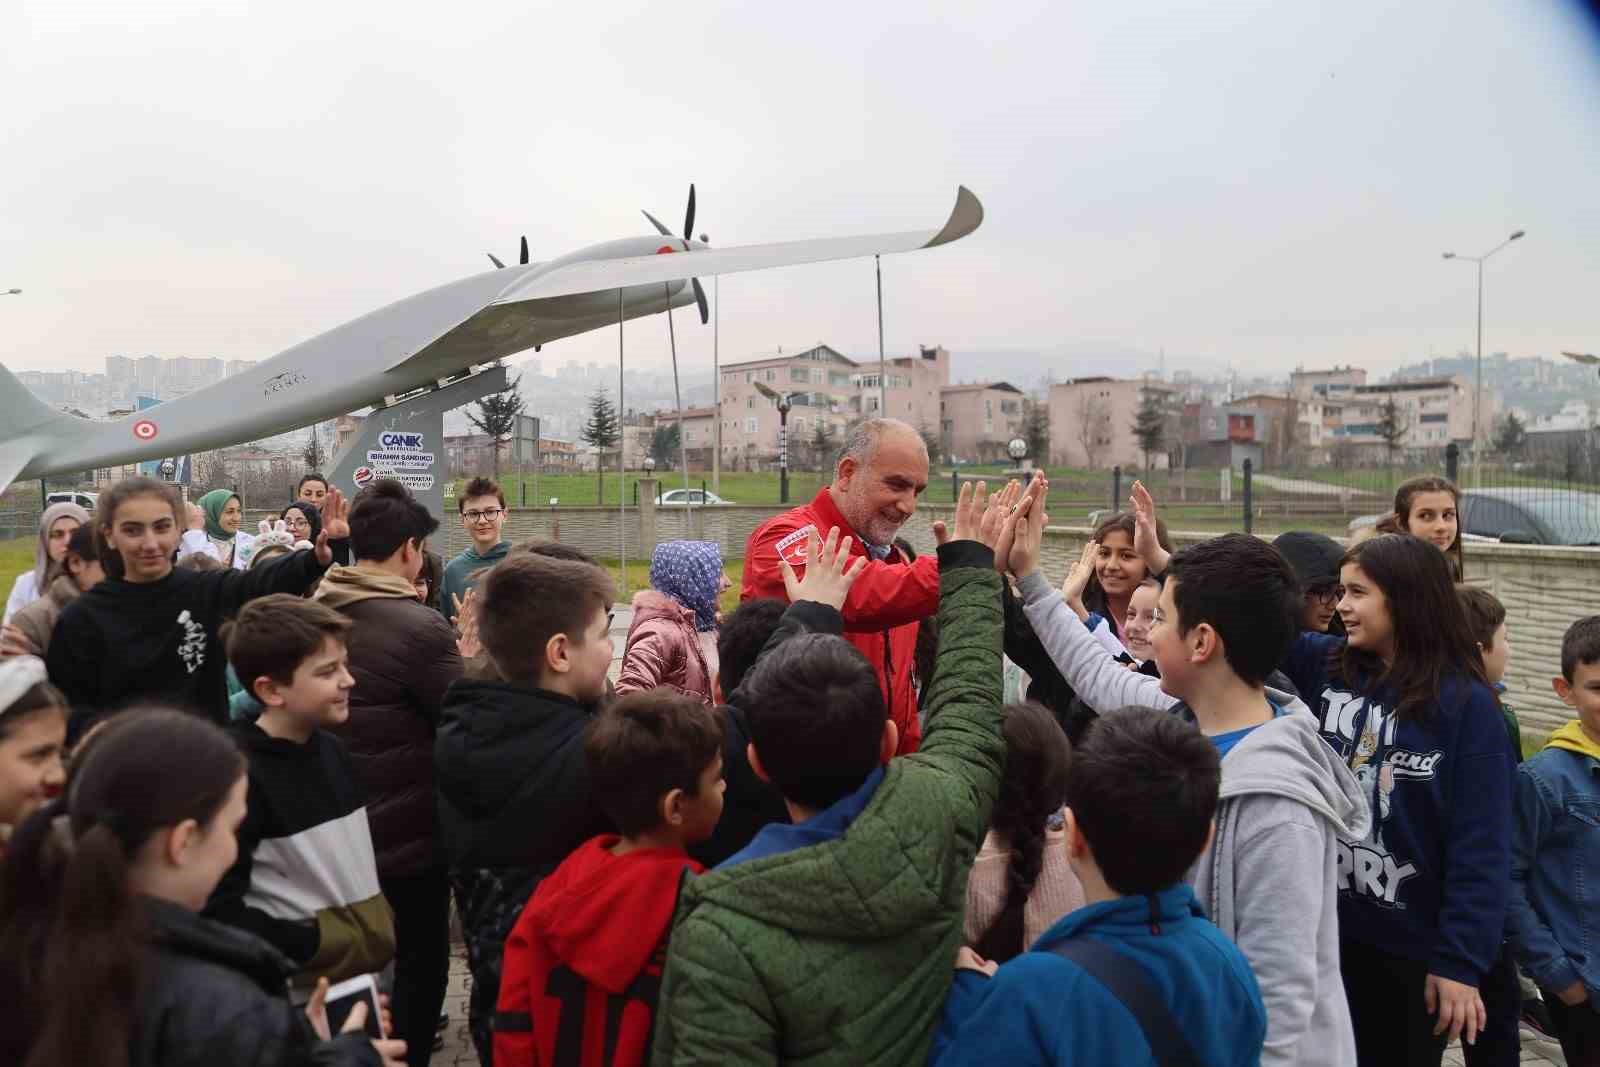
1555,847
482,504
1141,794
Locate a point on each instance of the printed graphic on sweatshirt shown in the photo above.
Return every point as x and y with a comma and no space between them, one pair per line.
1363,733
793,546
192,650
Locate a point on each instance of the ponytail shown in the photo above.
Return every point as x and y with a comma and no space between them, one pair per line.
72,932
1032,790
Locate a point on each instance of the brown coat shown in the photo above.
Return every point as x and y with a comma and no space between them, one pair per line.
38,620
664,649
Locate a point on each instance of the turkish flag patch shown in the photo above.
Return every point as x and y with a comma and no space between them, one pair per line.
793,547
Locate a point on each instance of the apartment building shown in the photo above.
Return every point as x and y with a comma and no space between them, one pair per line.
639,430
1092,419
977,421
824,386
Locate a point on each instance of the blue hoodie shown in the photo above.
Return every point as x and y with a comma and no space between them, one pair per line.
776,838
1430,880
1041,1008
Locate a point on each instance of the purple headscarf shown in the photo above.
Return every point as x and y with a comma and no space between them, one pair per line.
689,572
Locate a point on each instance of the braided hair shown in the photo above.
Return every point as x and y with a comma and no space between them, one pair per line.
1033,789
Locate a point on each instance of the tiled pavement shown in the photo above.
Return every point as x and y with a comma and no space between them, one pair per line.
458,1050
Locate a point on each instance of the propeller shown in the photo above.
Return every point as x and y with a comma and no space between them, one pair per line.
496,260
688,231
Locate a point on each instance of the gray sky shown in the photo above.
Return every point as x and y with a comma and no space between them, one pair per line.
1251,181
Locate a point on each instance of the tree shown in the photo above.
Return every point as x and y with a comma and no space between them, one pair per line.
313,454
1091,412
1150,423
602,433
1511,435
930,441
664,445
497,417
1392,428
1036,429
821,444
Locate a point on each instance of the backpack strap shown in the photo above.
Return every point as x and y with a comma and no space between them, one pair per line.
1126,980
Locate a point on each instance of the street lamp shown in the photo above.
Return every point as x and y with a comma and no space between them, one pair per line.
1477,394
649,464
783,400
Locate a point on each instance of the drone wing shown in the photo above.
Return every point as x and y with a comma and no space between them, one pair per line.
1583,357
591,276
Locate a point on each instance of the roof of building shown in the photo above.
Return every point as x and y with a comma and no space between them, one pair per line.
974,387
832,356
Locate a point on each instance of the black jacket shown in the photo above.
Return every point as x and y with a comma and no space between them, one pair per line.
211,994
126,642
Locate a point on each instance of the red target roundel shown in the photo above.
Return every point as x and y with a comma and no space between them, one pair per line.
145,430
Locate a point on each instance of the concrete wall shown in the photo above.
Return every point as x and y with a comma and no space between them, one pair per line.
1545,589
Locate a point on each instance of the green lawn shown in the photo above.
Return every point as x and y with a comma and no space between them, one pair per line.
16,556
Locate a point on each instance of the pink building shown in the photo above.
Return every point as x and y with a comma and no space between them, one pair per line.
978,420
824,387
1091,421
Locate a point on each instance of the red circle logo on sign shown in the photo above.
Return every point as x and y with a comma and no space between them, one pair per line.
363,475
145,430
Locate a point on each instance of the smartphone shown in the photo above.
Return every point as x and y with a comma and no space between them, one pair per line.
342,999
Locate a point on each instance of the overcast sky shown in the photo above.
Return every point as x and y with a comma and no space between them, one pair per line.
1237,181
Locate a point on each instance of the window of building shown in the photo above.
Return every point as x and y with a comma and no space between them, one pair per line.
799,423
750,424
798,374
838,378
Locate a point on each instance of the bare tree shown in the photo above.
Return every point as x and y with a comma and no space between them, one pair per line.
1092,417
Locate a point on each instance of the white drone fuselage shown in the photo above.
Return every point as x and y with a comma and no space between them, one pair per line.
413,343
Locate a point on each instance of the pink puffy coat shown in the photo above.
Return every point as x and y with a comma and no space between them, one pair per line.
664,649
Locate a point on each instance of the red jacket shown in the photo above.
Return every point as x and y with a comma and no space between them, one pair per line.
582,967
881,614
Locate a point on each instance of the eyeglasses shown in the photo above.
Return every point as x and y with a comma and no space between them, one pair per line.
486,515
1327,594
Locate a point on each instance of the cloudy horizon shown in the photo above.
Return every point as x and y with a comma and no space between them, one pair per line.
1248,184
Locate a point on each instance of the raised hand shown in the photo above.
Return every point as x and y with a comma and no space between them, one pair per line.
996,511
1008,530
1145,541
1078,580
335,525
830,572
467,641
1027,536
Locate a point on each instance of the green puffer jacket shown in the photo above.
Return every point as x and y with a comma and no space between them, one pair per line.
842,953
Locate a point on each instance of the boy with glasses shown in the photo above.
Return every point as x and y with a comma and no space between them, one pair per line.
483,515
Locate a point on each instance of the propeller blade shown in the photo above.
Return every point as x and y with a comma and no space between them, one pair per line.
662,230
524,248
688,218
495,261
700,298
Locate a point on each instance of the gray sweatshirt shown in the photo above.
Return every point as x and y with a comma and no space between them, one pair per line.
1270,878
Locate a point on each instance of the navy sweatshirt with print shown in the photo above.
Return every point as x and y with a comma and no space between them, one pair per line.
1431,880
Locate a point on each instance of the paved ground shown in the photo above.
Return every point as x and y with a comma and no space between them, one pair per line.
458,1050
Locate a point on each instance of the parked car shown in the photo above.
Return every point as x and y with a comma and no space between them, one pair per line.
679,498
86,501
1526,515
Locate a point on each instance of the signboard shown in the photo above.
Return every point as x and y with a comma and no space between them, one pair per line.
405,441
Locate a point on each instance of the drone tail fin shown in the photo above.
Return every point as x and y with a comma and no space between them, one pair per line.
21,415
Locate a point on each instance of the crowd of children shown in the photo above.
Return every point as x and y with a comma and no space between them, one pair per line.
1267,805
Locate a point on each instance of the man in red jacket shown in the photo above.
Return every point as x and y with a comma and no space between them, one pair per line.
882,470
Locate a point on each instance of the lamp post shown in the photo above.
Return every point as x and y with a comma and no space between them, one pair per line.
1477,393
782,400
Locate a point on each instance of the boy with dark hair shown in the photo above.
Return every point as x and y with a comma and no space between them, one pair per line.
306,877
1487,618
1555,843
829,940
591,941
514,795
1226,615
482,505
1138,973
403,656
740,639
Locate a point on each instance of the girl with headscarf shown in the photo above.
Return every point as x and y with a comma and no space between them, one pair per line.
672,640
304,522
223,511
55,526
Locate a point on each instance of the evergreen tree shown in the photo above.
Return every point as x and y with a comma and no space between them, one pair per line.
313,454
664,445
497,416
1392,428
1036,429
1511,434
821,444
1150,423
602,432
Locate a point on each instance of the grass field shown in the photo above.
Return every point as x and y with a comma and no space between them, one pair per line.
16,556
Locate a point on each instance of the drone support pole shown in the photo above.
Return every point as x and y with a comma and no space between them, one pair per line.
622,451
